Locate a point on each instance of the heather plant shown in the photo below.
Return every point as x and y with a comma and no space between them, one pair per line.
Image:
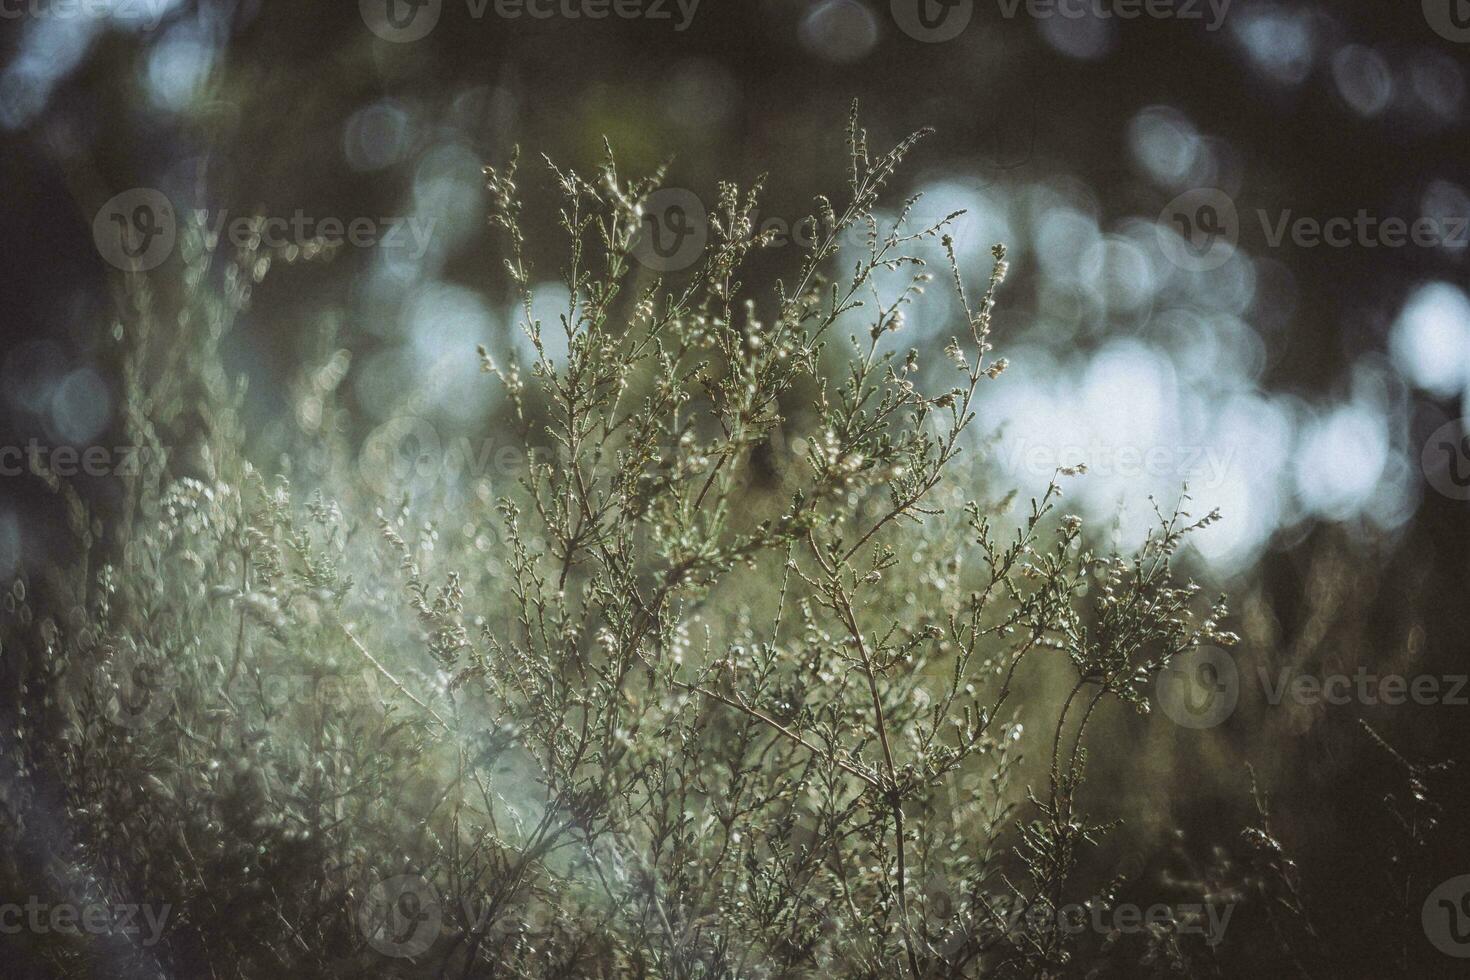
729,685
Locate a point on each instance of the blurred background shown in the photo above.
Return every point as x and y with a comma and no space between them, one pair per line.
1238,236
1289,380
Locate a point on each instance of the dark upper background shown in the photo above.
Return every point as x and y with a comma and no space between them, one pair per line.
1311,376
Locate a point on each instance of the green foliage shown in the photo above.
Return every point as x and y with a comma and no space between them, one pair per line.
730,692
